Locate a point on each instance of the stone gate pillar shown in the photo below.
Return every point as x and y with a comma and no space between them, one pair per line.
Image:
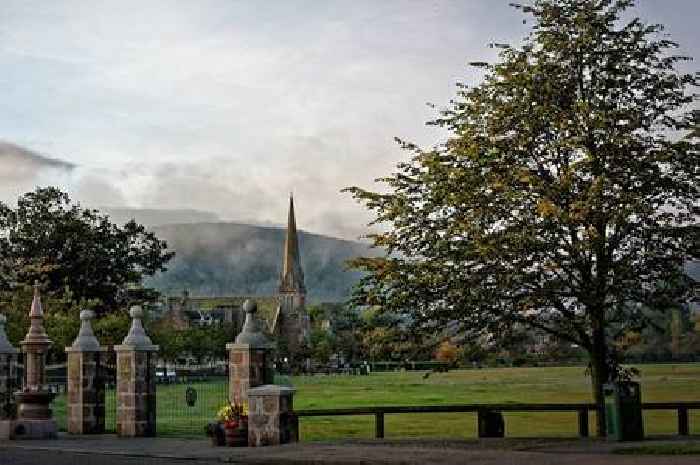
250,357
136,381
8,381
271,420
86,387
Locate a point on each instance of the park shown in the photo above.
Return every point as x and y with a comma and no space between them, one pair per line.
497,385
228,233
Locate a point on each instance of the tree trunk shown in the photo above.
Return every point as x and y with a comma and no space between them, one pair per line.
599,374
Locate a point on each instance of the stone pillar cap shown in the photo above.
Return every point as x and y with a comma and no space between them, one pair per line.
252,333
36,336
137,337
5,346
86,340
271,390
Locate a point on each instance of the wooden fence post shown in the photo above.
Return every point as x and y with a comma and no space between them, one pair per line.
379,425
583,423
683,421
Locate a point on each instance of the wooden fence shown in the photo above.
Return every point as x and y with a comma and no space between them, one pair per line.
582,410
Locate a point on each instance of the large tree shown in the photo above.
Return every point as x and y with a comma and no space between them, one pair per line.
566,198
49,239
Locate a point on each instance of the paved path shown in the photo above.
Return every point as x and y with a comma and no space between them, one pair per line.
109,450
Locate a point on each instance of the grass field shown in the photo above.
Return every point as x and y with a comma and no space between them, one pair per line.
569,384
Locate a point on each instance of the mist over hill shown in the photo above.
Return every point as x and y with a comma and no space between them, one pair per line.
231,258
150,217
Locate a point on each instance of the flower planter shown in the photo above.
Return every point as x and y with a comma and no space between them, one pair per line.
237,434
233,418
217,434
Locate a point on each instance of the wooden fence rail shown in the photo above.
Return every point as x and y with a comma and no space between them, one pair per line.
582,410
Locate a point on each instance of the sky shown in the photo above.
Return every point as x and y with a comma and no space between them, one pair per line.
227,106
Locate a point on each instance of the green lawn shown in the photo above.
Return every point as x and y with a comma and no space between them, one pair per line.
659,383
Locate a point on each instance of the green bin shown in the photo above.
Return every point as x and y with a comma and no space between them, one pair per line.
623,411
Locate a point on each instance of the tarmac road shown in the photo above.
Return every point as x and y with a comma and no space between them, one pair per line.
108,450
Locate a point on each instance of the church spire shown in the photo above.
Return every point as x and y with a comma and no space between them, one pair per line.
292,279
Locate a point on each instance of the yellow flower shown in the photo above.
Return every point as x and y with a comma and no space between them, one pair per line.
232,412
546,208
225,413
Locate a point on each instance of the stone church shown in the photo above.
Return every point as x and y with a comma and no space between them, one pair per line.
290,323
285,313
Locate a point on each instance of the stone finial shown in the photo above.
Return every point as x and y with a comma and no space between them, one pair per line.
86,340
37,310
5,346
137,336
37,333
252,332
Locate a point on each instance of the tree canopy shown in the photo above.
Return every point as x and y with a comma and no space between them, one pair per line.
566,197
49,239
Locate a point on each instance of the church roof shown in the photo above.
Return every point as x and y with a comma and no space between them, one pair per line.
267,305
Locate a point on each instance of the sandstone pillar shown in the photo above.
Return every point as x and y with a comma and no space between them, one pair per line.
136,381
271,418
86,388
250,357
8,381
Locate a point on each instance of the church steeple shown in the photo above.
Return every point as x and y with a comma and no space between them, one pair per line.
292,278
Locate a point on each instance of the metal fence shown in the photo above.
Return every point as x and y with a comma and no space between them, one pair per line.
186,399
185,406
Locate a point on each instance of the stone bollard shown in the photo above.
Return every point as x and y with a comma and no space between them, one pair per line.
136,381
86,388
250,357
271,420
8,381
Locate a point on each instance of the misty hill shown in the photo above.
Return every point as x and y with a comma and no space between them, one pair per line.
239,259
157,217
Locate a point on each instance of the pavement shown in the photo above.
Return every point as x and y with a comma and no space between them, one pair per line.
110,450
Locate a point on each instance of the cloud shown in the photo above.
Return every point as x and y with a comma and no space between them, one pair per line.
230,188
22,169
227,106
239,190
19,163
96,189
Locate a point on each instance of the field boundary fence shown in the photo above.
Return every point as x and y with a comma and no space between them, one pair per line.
482,410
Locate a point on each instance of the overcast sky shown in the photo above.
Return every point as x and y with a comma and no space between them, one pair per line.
227,106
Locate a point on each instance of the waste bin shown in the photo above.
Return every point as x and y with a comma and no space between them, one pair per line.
623,411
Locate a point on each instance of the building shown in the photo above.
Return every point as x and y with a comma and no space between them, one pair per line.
285,313
290,324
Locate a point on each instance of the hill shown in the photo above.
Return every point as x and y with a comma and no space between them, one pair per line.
150,217
217,259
